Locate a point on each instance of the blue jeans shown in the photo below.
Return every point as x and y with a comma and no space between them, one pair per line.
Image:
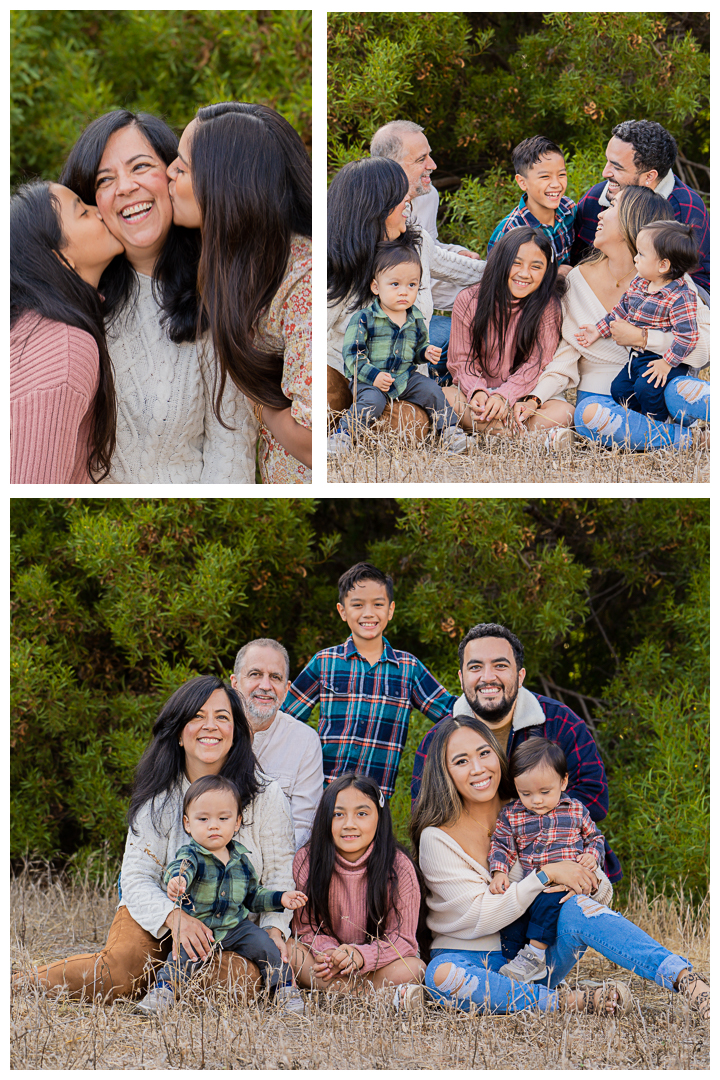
538,923
439,334
616,425
630,386
583,923
688,400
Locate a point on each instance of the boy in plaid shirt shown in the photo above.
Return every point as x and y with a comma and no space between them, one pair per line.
540,173
218,884
366,689
382,346
543,826
657,299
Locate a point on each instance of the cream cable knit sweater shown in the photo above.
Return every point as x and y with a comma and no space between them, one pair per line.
438,261
463,914
166,430
267,833
594,369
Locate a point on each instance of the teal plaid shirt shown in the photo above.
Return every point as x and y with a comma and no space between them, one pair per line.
375,343
221,896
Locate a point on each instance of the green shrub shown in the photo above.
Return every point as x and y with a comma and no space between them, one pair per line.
71,66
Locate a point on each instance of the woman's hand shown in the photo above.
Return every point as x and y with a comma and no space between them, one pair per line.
195,937
624,333
276,935
570,875
522,411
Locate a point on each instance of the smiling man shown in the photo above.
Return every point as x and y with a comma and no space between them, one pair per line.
642,152
286,749
491,676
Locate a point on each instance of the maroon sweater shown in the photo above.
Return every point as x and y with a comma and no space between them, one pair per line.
54,372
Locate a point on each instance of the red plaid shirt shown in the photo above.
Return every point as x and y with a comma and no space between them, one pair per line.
536,839
674,307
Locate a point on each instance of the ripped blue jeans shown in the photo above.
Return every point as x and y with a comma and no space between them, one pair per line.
687,399
473,977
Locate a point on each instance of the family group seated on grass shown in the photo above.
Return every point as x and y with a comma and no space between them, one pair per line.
609,299
509,881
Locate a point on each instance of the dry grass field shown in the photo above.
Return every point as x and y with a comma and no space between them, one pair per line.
384,457
209,1030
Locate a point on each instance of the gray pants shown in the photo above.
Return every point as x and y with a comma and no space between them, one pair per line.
246,939
420,390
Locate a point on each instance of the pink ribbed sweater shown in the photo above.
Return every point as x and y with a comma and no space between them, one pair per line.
53,379
348,911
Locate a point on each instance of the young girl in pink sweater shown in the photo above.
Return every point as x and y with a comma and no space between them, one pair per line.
358,927
504,333
62,397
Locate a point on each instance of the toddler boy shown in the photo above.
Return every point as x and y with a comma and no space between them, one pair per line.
366,689
657,299
541,174
219,886
543,826
382,345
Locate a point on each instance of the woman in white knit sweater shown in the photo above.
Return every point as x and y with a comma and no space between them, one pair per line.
593,289
201,730
464,786
167,432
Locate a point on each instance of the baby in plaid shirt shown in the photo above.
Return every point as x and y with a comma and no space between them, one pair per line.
218,885
657,299
382,347
543,826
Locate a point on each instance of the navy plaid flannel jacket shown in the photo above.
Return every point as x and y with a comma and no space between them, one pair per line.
535,839
221,896
561,234
364,710
674,307
587,780
687,206
375,343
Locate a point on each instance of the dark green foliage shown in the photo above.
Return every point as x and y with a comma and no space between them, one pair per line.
71,66
115,602
481,83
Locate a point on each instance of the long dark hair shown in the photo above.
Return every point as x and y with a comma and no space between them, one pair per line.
360,198
439,802
159,773
381,876
42,283
251,177
496,304
175,276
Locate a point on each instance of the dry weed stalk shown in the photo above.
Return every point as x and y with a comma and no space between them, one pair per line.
210,1030
381,455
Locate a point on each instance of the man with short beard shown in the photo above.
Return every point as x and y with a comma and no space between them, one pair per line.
491,676
287,750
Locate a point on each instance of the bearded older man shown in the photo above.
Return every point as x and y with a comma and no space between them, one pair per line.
286,749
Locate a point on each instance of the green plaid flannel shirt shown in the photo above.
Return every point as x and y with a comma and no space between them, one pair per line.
221,896
375,343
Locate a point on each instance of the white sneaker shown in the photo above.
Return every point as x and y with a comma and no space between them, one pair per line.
560,438
290,999
408,996
156,1001
455,440
527,966
339,444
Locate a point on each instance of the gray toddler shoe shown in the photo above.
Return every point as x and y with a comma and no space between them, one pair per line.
156,1001
526,967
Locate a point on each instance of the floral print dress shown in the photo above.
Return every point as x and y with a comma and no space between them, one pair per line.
287,327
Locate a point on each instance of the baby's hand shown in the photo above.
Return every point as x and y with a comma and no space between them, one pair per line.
587,334
176,887
384,381
657,371
433,354
499,882
588,860
293,899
